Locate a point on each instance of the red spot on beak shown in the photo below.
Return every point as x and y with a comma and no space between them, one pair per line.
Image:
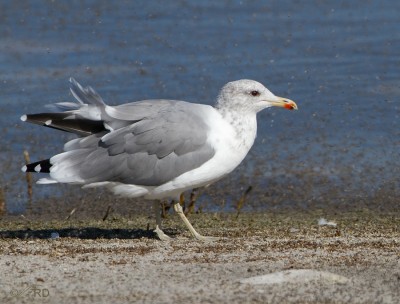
289,106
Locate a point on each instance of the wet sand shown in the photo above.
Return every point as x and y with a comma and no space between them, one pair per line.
119,260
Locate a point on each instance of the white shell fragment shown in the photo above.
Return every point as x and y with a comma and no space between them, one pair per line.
295,276
323,222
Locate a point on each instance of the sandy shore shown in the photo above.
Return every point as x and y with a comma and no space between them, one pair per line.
120,261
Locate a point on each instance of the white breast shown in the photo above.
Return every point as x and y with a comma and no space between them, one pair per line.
231,138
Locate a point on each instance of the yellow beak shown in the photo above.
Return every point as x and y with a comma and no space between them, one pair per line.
284,103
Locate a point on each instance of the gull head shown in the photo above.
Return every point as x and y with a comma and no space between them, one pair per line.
250,96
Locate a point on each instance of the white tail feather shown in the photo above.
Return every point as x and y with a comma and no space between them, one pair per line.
46,180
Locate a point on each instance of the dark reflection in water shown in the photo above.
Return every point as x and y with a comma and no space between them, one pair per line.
338,60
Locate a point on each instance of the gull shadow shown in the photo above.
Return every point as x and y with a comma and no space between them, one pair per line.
82,233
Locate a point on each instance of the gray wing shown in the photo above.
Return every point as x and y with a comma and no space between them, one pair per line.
167,140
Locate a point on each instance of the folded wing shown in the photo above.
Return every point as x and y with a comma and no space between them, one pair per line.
142,143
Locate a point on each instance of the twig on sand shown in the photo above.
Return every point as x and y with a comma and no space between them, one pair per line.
241,201
28,176
193,198
70,214
107,213
165,208
2,203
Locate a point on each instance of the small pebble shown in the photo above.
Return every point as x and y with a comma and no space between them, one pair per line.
54,235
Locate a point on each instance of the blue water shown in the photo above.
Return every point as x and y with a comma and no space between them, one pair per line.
338,60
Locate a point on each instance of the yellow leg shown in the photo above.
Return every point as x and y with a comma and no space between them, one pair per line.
178,209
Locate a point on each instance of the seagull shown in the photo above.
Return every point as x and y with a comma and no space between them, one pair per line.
154,149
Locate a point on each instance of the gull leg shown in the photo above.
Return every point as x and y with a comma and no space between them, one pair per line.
161,235
178,209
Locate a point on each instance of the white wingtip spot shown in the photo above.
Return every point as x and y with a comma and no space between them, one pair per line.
48,122
24,117
24,168
38,168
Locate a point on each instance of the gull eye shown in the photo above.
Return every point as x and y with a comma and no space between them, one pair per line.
255,93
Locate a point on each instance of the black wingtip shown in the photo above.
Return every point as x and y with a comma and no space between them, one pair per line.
42,166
